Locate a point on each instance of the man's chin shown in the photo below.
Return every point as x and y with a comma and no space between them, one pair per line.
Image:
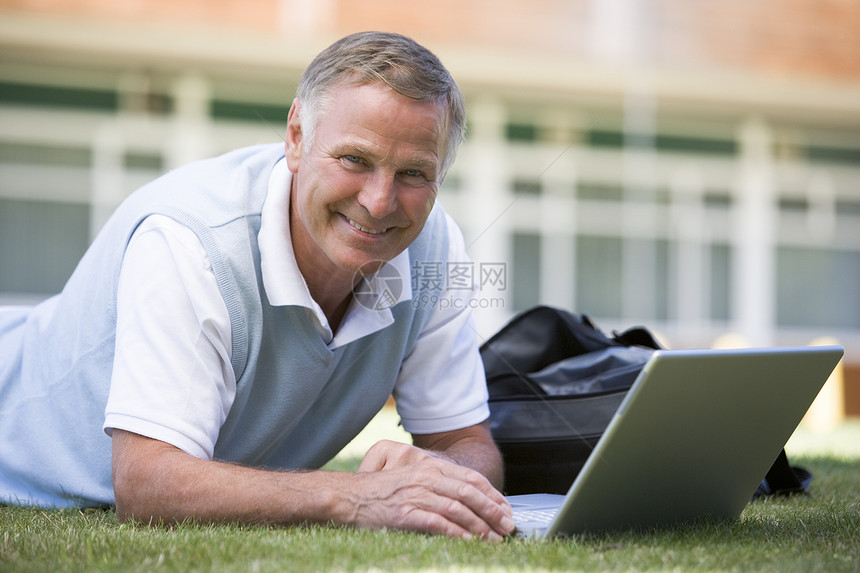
367,263
370,267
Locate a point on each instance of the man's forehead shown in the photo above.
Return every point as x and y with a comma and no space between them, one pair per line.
379,114
346,87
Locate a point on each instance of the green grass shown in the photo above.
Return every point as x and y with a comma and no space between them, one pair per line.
819,532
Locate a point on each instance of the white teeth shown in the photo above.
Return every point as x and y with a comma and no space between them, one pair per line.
365,229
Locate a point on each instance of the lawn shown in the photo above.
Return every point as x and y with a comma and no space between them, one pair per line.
819,532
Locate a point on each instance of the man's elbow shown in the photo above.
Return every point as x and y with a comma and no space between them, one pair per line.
130,497
136,478
125,511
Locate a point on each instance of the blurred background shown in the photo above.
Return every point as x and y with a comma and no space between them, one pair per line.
690,166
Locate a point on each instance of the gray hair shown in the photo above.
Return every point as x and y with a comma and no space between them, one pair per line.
404,65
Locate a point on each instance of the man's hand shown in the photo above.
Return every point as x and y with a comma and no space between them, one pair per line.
409,488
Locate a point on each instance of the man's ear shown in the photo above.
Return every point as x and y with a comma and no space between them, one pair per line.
293,141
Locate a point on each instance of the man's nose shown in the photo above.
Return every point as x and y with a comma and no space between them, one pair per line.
379,194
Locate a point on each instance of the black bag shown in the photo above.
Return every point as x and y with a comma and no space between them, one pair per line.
555,381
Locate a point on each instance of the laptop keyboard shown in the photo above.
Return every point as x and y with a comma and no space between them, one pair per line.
534,515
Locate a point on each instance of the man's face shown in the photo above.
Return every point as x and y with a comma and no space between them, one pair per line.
365,187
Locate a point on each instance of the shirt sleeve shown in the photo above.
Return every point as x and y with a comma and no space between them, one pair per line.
172,379
441,386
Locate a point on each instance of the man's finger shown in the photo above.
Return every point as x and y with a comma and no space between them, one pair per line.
473,506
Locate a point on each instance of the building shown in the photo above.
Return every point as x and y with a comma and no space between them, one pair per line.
691,166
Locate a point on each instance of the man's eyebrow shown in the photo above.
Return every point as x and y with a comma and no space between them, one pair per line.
351,149
422,163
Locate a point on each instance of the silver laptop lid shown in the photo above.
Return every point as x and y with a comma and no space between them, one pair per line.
694,437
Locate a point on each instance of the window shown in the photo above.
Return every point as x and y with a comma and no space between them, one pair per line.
817,287
521,132
40,244
720,282
251,112
525,274
56,96
524,187
599,276
662,142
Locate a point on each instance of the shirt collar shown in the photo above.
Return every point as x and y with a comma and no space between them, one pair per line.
368,311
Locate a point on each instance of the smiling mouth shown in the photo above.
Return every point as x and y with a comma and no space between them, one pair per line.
366,229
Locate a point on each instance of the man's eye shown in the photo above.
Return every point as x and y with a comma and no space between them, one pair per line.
352,158
413,173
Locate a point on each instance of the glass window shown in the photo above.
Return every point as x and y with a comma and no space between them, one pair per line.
143,161
526,187
56,96
599,276
525,275
720,282
670,143
31,154
848,207
717,200
521,132
793,204
40,244
250,112
661,279
817,287
831,154
599,192
645,278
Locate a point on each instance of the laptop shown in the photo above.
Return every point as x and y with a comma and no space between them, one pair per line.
693,438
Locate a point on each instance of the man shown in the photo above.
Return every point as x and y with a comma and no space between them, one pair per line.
213,332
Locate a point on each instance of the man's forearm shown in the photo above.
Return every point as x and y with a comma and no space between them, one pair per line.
398,486
471,447
479,457
155,482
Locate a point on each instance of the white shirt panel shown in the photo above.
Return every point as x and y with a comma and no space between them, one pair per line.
282,279
172,379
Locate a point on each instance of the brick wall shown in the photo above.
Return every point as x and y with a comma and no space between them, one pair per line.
852,390
242,14
817,38
792,37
